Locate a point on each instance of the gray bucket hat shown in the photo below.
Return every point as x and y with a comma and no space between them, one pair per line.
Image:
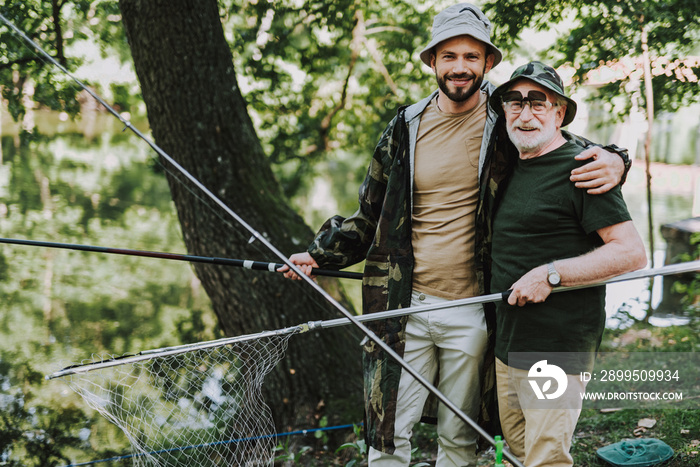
541,74
460,20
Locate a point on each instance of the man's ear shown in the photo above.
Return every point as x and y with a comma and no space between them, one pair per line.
490,58
432,60
561,113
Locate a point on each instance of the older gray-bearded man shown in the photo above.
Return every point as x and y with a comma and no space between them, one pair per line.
548,233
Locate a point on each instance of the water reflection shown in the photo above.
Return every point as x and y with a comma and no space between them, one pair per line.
61,306
673,190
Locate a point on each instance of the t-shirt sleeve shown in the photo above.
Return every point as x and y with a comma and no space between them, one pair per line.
600,211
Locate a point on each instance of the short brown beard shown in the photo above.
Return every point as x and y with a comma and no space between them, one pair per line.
461,96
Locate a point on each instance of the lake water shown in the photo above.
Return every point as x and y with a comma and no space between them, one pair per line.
674,193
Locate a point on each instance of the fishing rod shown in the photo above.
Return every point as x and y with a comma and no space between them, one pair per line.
244,263
680,268
261,238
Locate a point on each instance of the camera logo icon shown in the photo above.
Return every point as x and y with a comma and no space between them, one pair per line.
540,377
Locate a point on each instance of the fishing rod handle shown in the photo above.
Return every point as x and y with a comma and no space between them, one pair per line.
339,274
314,271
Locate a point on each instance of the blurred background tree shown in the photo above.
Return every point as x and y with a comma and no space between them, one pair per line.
604,43
639,54
322,80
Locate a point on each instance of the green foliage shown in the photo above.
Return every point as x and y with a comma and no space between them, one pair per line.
358,445
4,268
324,78
61,306
20,65
609,32
286,453
25,73
193,328
321,435
42,433
424,441
43,427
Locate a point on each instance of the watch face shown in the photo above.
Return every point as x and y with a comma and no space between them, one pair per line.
554,279
553,276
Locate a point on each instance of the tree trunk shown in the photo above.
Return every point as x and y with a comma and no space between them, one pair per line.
649,98
198,116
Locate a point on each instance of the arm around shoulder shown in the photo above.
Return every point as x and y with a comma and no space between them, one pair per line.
608,166
605,170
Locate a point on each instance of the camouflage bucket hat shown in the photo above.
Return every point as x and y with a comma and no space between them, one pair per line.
544,76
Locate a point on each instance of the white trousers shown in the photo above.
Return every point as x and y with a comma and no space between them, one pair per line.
453,340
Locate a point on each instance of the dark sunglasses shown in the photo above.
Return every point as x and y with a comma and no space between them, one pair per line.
514,102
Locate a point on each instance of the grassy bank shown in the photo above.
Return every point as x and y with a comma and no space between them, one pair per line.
679,428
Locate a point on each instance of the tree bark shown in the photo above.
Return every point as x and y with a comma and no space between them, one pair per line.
199,117
649,103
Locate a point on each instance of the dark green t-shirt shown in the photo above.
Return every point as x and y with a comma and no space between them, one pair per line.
543,217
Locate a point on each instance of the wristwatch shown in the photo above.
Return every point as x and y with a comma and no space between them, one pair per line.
553,276
624,155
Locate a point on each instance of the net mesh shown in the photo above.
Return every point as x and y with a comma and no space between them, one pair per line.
202,407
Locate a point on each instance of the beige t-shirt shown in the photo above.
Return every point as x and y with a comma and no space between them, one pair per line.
445,194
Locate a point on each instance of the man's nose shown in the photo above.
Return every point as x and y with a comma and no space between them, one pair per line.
460,65
526,114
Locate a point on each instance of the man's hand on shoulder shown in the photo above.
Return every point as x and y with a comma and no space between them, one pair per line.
601,174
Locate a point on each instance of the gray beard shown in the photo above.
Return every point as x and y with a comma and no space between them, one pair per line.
531,143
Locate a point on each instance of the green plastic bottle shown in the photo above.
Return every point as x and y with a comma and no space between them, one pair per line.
499,451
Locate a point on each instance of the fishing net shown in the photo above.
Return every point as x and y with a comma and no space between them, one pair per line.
197,406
